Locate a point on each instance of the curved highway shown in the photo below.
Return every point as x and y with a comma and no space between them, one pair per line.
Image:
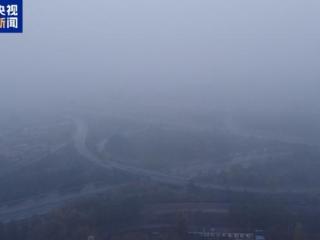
29,208
81,146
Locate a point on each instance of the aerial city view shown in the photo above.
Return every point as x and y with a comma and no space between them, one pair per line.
160,120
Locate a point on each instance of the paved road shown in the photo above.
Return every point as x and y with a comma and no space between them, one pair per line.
45,204
80,143
28,208
81,146
35,207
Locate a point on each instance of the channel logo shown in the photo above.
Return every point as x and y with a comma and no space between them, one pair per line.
11,16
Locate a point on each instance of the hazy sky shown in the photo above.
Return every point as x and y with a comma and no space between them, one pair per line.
227,53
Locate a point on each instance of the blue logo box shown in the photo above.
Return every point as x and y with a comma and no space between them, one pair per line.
11,16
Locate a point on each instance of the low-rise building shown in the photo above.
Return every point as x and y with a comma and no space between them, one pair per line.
225,234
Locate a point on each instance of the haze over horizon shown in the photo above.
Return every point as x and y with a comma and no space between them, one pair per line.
159,119
228,55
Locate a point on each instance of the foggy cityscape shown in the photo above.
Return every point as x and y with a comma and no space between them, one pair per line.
171,120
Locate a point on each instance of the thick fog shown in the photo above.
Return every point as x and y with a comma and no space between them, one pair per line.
231,55
161,119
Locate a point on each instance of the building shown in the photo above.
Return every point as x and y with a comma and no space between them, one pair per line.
225,234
